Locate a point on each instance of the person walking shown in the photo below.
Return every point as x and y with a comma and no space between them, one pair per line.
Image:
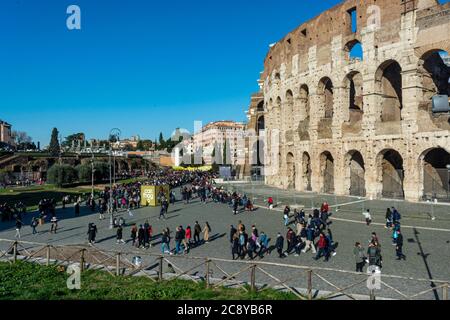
360,258
77,209
119,235
264,242
134,232
368,217
18,227
286,212
388,218
54,225
34,224
270,203
235,246
280,245
197,231
206,232
178,239
188,237
309,240
374,254
322,245
141,235
232,233
399,246
165,242
92,233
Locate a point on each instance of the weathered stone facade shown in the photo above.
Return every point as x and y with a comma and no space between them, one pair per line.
361,126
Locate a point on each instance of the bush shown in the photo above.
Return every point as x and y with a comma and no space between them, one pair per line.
84,172
5,176
61,174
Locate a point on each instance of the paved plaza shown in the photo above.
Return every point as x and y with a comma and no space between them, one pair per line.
427,242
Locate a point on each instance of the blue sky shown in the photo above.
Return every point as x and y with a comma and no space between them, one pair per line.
142,66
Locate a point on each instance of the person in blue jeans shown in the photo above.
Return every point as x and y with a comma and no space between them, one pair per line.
165,243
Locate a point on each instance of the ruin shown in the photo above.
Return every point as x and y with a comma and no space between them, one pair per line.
362,124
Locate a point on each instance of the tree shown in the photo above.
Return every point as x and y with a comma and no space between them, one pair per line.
74,138
54,147
21,137
224,156
162,143
60,175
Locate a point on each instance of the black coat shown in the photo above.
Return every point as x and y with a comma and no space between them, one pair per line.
232,233
280,243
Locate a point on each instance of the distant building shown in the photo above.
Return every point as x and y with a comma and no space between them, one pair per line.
5,132
122,144
211,140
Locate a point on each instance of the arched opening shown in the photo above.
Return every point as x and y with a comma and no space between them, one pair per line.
260,128
260,107
391,174
435,174
303,128
354,51
290,164
307,172
327,172
353,91
389,86
289,112
355,174
326,98
434,68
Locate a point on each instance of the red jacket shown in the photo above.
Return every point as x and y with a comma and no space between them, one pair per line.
188,233
322,242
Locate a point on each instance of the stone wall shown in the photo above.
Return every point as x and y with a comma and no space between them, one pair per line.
365,125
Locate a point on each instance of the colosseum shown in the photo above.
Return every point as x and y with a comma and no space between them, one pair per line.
375,124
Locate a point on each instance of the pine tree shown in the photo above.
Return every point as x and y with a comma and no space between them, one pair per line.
54,147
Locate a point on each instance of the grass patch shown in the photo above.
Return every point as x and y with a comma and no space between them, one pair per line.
31,196
28,281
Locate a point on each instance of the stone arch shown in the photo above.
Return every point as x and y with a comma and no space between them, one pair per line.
391,174
260,126
388,79
304,113
289,111
326,94
354,108
304,102
435,76
355,184
327,172
354,50
290,166
434,175
260,106
306,171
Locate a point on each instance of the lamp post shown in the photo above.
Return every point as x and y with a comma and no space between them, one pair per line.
448,181
113,135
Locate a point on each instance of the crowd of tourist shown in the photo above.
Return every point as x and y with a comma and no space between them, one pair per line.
306,231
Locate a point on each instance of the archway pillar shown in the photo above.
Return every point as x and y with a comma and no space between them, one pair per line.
411,182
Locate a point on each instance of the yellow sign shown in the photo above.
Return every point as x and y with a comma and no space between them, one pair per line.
149,195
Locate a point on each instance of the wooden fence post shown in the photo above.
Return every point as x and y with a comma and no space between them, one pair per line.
253,279
82,260
48,256
309,274
445,292
118,264
160,272
15,251
207,274
372,294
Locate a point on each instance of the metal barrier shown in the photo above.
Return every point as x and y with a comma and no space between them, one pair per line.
235,273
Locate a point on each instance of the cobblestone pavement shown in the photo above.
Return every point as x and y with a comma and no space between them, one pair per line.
427,242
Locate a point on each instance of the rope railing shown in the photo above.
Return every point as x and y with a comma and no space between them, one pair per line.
91,256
